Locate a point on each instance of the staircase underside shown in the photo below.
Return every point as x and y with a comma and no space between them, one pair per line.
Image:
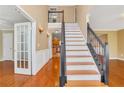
81,69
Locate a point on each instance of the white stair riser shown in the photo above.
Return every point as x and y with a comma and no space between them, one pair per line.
71,25
79,36
78,53
75,43
74,39
85,59
76,47
68,25
84,77
73,32
72,28
81,67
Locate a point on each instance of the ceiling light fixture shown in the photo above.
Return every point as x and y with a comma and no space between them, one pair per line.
56,31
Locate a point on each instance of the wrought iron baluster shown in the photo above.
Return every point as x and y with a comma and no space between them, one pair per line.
100,52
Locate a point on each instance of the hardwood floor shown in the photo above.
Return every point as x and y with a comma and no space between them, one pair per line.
7,76
116,73
48,76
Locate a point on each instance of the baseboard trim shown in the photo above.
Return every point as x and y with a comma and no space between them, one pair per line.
117,59
42,67
121,59
112,58
6,60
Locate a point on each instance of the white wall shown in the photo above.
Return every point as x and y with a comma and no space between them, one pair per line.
82,12
1,42
1,49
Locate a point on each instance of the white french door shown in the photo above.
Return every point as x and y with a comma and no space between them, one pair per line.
22,48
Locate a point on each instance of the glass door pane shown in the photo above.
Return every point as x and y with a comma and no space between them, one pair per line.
23,48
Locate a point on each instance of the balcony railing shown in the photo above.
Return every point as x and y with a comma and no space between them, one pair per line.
55,16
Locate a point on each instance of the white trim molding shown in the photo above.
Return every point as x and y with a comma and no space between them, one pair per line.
24,13
1,60
113,58
7,29
116,58
121,59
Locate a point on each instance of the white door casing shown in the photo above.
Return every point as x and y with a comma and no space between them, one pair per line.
50,45
22,48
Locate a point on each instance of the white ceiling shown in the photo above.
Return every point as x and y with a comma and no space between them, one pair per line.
107,17
10,15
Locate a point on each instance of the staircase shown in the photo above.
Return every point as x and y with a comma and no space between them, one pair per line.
81,69
78,67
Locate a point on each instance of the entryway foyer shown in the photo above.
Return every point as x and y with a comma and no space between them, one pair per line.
56,47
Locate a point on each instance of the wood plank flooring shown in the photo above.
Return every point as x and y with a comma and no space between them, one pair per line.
7,76
116,73
48,76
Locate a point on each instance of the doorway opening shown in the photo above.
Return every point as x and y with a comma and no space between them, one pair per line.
15,41
56,37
